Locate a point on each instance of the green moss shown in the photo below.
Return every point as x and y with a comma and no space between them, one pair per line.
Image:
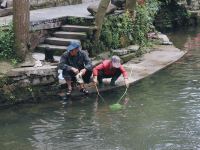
4,80
26,94
79,21
128,57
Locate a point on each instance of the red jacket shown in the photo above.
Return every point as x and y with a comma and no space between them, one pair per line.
106,66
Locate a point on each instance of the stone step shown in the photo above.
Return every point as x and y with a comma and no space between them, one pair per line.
127,57
70,35
76,28
59,41
57,50
125,51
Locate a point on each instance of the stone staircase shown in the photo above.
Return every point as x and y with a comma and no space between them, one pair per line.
61,38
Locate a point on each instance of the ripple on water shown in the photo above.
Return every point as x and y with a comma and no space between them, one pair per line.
161,112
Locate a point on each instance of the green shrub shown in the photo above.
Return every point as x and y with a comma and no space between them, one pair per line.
93,48
7,43
115,28
7,52
170,16
142,26
121,30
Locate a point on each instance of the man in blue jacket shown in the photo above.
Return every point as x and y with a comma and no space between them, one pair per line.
76,65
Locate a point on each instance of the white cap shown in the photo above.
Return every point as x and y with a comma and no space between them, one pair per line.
115,61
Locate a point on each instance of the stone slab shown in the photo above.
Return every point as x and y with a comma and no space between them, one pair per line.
125,51
6,11
30,76
159,58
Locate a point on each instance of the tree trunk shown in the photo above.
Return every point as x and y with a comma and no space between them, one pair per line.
100,17
130,6
21,18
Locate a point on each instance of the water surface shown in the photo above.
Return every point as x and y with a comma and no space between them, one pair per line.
161,112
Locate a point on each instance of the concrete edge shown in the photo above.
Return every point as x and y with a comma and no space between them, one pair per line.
120,83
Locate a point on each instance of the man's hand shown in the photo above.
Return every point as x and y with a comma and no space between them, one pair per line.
76,71
83,71
126,83
95,79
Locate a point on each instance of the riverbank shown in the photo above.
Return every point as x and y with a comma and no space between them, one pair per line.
159,112
41,80
159,57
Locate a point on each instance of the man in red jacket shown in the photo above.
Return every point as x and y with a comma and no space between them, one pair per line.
110,69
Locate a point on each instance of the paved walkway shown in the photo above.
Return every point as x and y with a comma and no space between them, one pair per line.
79,10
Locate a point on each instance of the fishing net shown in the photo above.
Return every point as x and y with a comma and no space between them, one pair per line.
116,106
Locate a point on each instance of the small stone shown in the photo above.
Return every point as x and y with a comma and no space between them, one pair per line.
128,57
94,7
133,48
118,3
36,81
38,63
164,39
4,4
120,52
167,43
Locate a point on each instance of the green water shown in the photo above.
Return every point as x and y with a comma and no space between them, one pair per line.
161,112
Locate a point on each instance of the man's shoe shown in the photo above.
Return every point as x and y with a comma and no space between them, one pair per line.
69,92
84,91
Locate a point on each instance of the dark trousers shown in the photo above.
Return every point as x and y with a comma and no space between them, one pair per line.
71,76
102,75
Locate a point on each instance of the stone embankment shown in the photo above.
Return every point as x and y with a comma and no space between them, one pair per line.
159,57
41,81
46,76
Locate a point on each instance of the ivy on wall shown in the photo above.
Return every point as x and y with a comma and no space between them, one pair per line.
123,30
171,16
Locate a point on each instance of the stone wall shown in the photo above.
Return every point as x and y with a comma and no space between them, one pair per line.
191,4
37,37
27,84
32,76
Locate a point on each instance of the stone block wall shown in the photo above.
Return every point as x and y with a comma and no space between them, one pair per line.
31,76
28,84
191,4
37,37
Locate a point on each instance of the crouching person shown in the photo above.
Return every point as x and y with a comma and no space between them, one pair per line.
110,69
76,66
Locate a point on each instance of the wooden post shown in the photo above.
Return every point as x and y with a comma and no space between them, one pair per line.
100,17
21,16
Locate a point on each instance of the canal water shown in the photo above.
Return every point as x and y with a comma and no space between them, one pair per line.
161,112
